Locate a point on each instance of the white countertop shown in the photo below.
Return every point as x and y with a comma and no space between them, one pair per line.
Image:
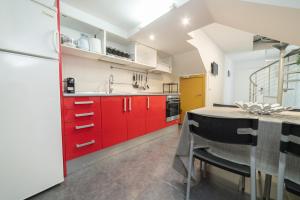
85,94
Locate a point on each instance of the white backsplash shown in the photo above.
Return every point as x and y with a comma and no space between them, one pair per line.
92,76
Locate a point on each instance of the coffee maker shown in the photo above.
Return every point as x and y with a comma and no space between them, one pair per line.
69,85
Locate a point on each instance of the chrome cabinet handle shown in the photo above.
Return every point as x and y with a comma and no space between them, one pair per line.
85,144
83,102
148,103
129,104
124,102
84,114
84,126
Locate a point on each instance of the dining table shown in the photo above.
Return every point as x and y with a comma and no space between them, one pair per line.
267,151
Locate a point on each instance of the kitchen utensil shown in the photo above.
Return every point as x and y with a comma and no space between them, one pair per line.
147,86
95,45
69,85
134,83
83,43
141,80
143,83
133,80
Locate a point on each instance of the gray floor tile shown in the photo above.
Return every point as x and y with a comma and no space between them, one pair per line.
141,171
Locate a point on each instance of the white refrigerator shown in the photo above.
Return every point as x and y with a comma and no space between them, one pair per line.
31,158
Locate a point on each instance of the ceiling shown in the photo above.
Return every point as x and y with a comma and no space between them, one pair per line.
170,35
229,39
126,14
277,22
271,18
285,3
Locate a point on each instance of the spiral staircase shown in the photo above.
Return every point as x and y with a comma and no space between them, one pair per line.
279,81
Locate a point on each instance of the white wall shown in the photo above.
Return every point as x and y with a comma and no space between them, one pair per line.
210,52
242,71
229,75
188,63
92,76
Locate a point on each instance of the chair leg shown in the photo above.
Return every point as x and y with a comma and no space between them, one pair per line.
253,173
260,185
243,180
267,188
280,181
189,171
203,169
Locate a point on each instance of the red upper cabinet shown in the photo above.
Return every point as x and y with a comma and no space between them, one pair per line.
156,113
114,124
136,116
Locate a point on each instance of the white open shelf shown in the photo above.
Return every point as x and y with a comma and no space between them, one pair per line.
141,56
108,58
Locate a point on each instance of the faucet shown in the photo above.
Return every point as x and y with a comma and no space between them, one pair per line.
110,83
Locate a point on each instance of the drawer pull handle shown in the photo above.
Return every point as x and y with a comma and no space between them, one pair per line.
129,106
84,126
124,104
148,103
84,114
83,102
85,144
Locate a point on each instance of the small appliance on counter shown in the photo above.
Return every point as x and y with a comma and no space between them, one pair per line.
170,88
69,85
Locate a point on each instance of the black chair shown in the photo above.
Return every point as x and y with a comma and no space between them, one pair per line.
224,105
287,147
225,130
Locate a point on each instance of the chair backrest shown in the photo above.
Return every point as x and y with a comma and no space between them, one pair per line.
224,130
286,145
224,105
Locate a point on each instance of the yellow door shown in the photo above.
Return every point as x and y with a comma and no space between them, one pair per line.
192,93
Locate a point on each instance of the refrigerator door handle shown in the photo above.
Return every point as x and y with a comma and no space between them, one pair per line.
56,40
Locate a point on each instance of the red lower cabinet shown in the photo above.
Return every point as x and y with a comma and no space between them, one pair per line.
93,123
114,123
136,116
82,126
156,113
82,138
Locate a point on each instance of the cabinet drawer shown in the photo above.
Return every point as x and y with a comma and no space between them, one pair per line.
81,102
79,146
81,138
87,127
84,114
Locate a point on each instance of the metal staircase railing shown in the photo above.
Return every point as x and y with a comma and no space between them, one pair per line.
264,82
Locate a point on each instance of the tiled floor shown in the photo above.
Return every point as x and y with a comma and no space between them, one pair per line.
138,170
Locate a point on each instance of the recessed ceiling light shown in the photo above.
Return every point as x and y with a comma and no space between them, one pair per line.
152,37
185,21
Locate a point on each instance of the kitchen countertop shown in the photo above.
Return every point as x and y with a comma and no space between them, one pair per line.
85,94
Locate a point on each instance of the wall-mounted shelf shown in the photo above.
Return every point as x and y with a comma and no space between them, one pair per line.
163,64
141,56
107,58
